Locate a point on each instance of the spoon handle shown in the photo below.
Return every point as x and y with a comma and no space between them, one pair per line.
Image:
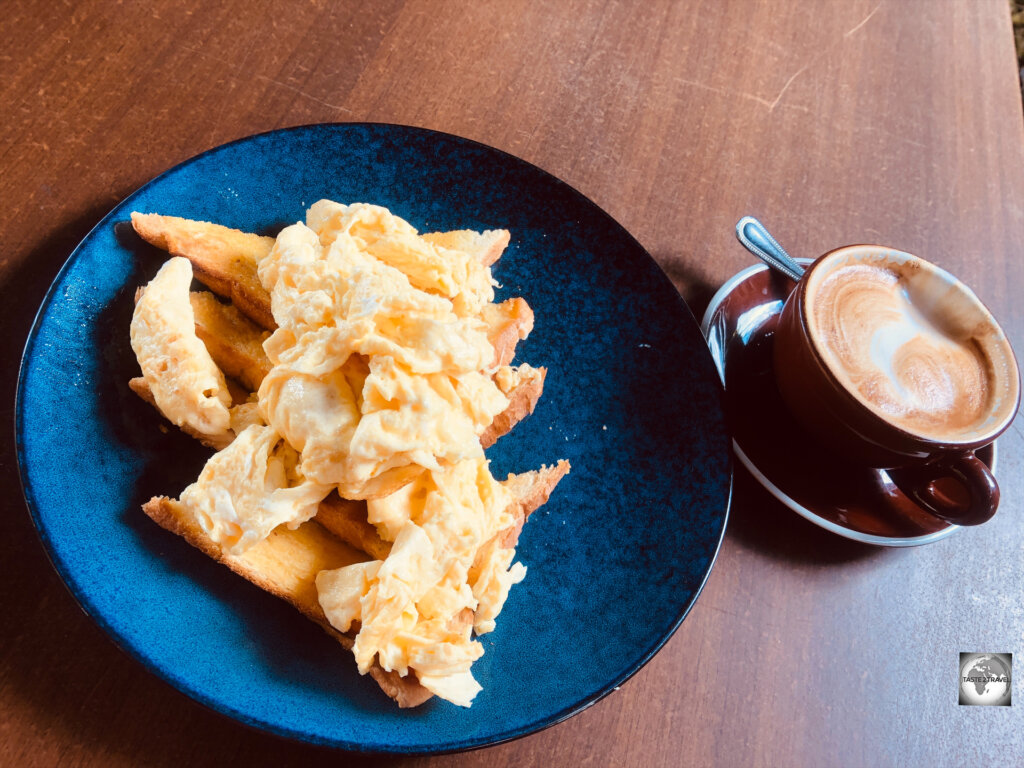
756,239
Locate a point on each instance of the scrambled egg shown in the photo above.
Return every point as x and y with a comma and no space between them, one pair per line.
380,388
187,386
442,271
376,366
446,558
249,488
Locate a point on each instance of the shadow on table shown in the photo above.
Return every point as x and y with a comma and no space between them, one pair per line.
691,282
761,523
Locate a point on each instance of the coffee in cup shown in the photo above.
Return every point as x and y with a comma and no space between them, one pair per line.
897,364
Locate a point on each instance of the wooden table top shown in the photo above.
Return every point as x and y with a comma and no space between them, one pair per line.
895,121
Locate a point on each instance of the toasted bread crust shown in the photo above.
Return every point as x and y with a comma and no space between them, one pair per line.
486,247
286,563
234,341
507,324
346,519
522,399
223,259
532,491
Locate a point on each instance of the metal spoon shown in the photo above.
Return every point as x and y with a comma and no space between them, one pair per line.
758,241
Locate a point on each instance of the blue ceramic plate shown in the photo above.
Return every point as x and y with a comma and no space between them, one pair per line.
615,559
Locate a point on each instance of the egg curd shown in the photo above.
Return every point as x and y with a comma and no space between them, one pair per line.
378,368
187,386
446,562
380,388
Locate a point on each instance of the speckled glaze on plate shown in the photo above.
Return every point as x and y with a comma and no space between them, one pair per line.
616,559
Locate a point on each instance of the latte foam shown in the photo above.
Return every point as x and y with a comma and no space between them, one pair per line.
912,344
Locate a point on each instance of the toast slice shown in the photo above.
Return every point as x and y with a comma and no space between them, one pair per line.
234,341
347,518
225,259
507,324
286,563
486,247
522,385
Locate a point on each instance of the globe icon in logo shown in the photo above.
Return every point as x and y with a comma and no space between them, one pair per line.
984,680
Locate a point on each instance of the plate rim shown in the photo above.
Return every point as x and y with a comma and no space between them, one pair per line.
197,696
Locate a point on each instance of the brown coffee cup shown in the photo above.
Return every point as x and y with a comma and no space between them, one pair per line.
893,363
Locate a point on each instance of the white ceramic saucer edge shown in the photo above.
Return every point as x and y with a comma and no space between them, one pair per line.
866,538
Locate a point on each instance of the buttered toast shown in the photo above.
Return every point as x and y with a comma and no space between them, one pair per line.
286,563
351,333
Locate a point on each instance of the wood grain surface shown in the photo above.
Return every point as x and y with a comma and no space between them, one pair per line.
892,121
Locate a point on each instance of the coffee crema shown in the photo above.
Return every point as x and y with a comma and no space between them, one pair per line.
911,343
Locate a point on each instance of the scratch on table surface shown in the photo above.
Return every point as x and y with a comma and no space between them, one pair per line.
804,68
902,139
727,612
301,92
866,19
224,106
250,49
746,617
728,92
772,105
211,56
235,68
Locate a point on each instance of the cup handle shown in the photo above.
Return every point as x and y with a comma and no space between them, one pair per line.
973,475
